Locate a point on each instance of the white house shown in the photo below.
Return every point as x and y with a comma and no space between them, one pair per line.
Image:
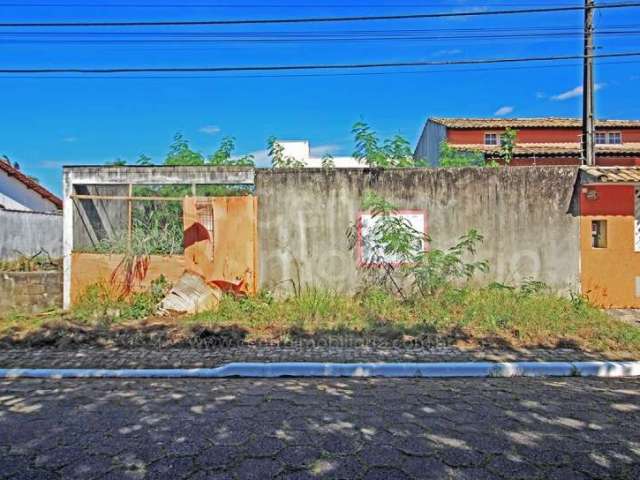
20,192
301,151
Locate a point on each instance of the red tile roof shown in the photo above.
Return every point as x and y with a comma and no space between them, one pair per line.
31,184
613,174
546,122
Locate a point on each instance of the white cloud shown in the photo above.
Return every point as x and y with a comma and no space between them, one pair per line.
506,110
541,95
70,139
209,129
574,92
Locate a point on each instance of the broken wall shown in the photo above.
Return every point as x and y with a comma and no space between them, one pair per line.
525,214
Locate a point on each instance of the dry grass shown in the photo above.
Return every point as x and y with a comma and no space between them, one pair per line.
41,261
495,317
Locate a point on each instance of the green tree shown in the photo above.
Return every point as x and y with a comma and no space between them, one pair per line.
393,152
118,162
180,153
327,161
398,249
223,156
278,159
451,157
144,160
507,145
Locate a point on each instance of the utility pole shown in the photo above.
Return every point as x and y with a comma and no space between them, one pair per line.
588,147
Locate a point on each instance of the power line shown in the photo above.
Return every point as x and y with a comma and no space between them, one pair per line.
416,16
312,75
549,36
248,5
263,68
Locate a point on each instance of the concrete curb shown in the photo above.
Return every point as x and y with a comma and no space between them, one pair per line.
358,370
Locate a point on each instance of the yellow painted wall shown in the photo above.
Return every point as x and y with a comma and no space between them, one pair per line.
608,274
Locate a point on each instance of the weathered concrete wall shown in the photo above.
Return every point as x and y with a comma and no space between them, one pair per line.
30,291
27,233
524,214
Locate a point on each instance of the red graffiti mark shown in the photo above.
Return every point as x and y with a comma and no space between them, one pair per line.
194,234
238,289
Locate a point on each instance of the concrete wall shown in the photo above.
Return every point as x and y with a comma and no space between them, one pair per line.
525,215
30,291
27,233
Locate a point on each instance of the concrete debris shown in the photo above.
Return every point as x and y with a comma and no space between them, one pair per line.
191,294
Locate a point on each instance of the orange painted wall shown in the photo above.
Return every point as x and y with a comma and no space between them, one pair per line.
234,247
90,268
234,241
608,274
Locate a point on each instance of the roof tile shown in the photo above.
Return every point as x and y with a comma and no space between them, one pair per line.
544,122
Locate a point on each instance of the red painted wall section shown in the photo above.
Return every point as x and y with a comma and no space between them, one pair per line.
544,161
600,161
618,161
535,135
607,200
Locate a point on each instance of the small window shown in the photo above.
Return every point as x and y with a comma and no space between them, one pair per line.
599,234
615,138
608,138
491,139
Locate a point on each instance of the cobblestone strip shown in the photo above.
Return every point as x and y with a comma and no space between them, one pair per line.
199,358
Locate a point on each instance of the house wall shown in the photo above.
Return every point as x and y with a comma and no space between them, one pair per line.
14,195
610,276
544,161
27,233
525,215
428,147
535,135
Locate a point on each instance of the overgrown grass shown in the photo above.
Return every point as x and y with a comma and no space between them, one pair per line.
499,317
494,316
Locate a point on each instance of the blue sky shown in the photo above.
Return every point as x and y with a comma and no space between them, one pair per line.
51,121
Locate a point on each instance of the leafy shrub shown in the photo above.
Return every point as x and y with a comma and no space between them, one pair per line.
399,258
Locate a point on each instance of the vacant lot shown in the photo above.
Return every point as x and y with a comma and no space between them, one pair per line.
474,317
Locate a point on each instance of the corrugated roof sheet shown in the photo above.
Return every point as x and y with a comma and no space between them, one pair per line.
544,122
553,148
613,174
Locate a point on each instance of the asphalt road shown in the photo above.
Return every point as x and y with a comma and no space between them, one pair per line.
372,429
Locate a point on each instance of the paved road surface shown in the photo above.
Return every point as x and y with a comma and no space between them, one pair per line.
299,429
